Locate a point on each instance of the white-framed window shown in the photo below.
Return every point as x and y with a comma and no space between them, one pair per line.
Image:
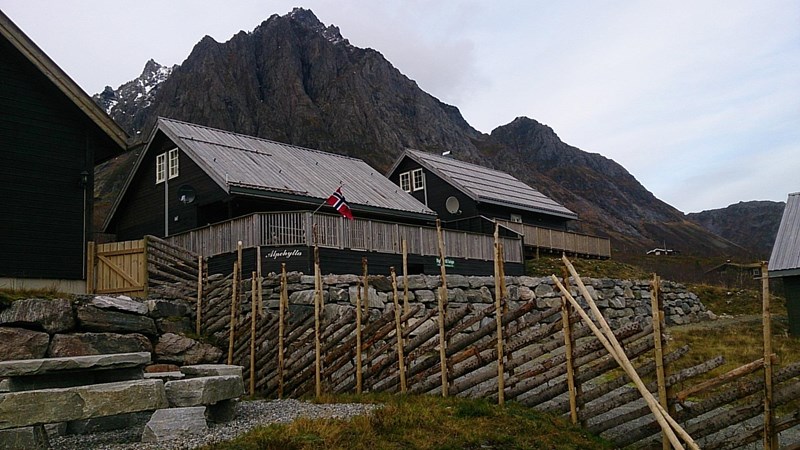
161,168
516,218
405,181
417,179
173,163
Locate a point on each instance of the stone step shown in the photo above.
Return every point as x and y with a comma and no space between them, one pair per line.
25,367
175,423
20,409
203,390
210,370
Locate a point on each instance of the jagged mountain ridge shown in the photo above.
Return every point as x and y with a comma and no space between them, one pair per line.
751,224
294,80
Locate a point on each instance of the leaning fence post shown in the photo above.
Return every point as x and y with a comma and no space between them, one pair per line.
90,256
658,318
770,440
317,312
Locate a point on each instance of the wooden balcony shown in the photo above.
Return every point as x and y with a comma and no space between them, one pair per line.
561,241
281,229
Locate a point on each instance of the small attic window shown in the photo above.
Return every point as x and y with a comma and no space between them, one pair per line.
161,168
405,181
417,179
173,163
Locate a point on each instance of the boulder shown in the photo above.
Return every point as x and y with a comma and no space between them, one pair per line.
203,390
19,343
457,281
177,349
93,362
105,320
376,299
121,303
221,412
175,423
210,370
52,316
79,344
159,308
107,423
414,282
382,283
175,325
18,409
306,297
24,438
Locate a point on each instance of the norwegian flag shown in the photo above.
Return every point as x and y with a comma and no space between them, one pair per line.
337,201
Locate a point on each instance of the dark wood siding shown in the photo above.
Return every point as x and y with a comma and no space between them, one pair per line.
46,142
141,211
791,286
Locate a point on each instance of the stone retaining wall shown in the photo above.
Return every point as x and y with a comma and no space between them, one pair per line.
91,325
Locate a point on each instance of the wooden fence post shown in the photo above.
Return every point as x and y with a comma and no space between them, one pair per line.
253,319
317,312
569,343
232,329
658,320
442,310
260,282
199,305
498,314
282,309
770,440
399,332
405,277
359,372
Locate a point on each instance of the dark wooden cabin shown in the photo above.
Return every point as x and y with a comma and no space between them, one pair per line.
206,189
51,137
473,198
784,263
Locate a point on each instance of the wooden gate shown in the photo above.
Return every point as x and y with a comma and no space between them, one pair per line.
117,268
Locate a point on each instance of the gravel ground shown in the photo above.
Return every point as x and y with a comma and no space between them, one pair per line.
249,415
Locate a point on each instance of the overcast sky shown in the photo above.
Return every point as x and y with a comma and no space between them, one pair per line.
699,100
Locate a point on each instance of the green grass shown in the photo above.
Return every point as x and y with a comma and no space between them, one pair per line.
423,422
9,295
590,268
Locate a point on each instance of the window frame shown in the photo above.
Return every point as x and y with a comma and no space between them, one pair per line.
161,168
414,186
172,166
405,181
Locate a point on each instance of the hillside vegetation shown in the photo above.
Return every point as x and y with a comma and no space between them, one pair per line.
423,422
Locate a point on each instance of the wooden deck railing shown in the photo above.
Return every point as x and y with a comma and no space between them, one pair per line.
555,240
280,229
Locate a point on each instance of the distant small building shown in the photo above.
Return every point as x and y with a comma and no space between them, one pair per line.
784,262
661,251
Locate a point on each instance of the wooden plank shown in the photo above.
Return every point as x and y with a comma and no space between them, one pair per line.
90,267
120,271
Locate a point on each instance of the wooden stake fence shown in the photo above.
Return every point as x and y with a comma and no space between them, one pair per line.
613,347
770,439
232,329
253,320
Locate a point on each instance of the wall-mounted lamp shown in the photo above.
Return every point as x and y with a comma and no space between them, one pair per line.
84,181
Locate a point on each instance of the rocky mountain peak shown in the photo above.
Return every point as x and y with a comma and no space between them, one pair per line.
308,20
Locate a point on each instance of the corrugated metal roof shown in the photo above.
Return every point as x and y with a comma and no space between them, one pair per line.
488,185
237,160
786,251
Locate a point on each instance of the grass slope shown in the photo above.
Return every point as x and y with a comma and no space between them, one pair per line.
423,422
